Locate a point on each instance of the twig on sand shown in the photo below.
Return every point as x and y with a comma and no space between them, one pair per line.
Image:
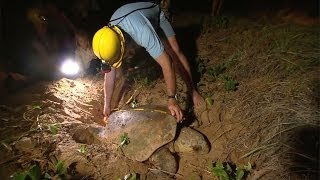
260,173
293,123
11,159
25,116
223,133
199,168
6,108
6,146
169,173
258,149
288,129
82,103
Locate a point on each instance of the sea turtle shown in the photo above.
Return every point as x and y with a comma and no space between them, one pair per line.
147,133
148,129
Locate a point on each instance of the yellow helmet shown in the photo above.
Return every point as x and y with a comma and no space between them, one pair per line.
108,45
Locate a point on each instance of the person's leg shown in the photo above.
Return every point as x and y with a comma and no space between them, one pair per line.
184,68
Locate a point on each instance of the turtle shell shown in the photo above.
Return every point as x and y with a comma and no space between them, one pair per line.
146,127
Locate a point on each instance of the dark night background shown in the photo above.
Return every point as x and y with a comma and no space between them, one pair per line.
16,31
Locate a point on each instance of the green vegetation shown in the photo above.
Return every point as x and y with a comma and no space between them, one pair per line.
83,149
58,170
131,176
53,128
214,73
229,83
32,173
124,139
225,171
36,107
209,101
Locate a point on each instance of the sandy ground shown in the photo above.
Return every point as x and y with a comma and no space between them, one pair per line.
49,122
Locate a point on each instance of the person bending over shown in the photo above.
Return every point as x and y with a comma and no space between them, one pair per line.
143,22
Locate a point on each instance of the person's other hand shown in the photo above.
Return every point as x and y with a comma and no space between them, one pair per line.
175,109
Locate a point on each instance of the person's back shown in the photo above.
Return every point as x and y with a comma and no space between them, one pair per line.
133,11
143,21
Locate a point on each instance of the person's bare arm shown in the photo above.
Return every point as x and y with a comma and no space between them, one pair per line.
170,80
109,82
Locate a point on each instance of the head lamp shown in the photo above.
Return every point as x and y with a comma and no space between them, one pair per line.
70,67
105,67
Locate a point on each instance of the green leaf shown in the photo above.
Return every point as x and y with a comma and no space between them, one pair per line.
124,139
54,128
229,169
221,173
6,146
209,101
47,176
36,107
133,176
230,85
34,172
19,176
219,165
239,174
60,168
83,149
247,167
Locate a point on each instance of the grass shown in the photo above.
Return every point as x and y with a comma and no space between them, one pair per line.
264,73
277,67
279,49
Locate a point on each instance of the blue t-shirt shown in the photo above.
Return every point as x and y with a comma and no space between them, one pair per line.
141,20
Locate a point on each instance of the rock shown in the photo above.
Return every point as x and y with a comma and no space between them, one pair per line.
163,159
86,135
25,145
191,141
